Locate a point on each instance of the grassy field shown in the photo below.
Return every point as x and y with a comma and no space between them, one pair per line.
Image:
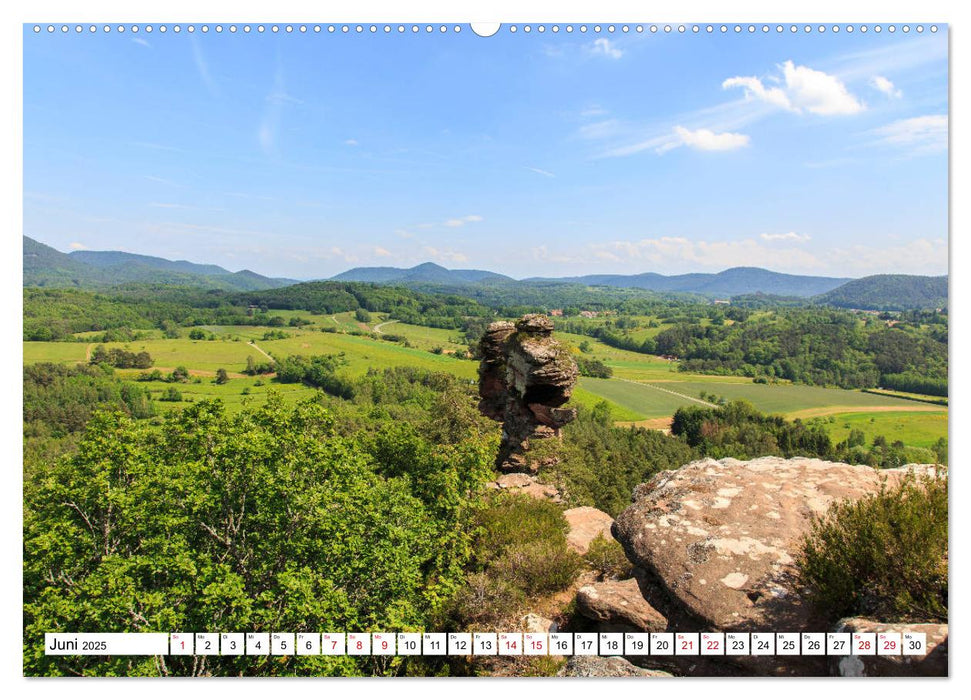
915,428
643,388
70,353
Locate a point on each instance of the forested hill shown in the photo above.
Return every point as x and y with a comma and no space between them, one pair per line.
731,282
889,293
87,269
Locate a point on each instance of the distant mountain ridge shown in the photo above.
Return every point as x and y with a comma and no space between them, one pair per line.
45,266
731,282
426,273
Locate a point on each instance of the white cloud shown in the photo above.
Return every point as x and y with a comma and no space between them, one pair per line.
677,253
791,236
919,135
141,42
885,86
351,142
470,219
202,67
805,89
540,171
705,140
604,47
381,252
604,129
77,246
593,111
445,255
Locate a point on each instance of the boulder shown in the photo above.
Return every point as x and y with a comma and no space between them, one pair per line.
720,537
539,624
619,606
586,524
933,663
606,667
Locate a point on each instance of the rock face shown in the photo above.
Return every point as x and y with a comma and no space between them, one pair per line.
619,606
720,536
933,663
586,524
539,624
525,376
526,484
606,667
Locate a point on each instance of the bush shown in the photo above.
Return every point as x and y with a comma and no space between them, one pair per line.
883,556
543,566
607,557
171,394
486,602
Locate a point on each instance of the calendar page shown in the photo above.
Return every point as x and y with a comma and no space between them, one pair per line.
427,348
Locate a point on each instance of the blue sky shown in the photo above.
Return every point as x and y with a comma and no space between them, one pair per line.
303,155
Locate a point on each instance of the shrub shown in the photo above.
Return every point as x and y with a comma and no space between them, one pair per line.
514,519
883,556
171,394
542,566
486,602
608,558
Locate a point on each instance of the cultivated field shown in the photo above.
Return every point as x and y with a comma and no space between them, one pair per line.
644,389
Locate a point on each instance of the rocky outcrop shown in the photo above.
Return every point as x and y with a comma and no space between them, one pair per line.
586,524
619,606
606,667
528,485
720,537
932,663
525,377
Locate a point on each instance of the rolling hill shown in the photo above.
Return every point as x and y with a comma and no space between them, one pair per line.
45,266
426,273
889,293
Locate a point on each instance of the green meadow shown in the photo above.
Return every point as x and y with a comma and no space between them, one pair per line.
643,387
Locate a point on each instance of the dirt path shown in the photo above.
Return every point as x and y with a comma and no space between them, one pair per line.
673,393
662,424
377,328
268,355
87,352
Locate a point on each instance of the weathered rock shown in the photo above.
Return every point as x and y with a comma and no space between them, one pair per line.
525,376
524,483
619,606
539,624
586,524
933,663
721,536
606,667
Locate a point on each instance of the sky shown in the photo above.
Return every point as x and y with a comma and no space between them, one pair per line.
302,155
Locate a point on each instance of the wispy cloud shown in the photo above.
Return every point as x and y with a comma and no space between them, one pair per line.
77,246
161,180
381,252
202,66
141,42
445,254
540,171
917,135
885,86
350,142
276,99
605,47
790,236
470,219
802,89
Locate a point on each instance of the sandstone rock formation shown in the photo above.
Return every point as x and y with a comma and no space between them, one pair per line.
720,537
933,663
619,606
525,377
586,524
605,667
526,484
